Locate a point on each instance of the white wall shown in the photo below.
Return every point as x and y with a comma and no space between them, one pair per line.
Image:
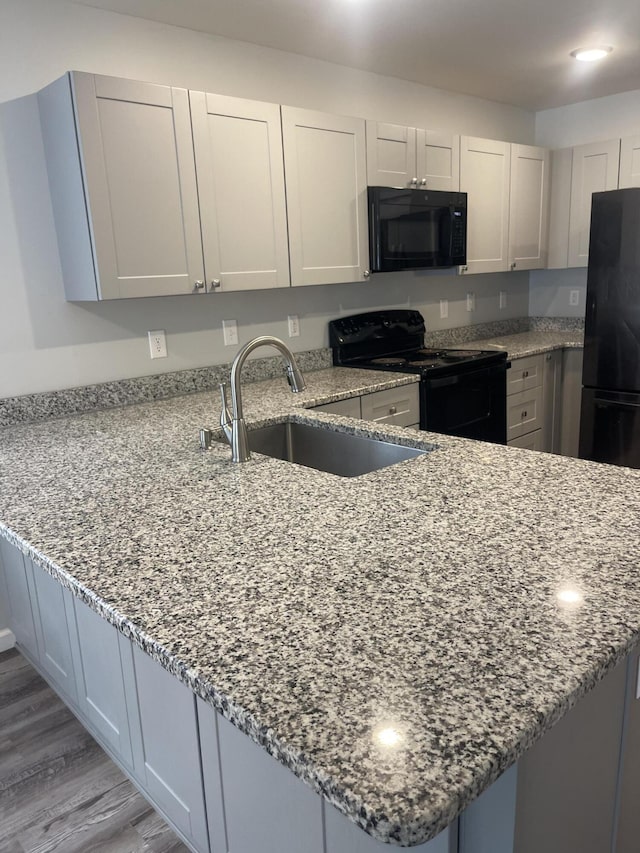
47,343
590,121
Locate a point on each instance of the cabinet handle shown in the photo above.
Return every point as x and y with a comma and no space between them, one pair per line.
523,414
548,356
465,268
393,410
198,285
215,283
525,373
366,273
513,265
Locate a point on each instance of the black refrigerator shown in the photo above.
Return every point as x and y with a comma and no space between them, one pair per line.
610,413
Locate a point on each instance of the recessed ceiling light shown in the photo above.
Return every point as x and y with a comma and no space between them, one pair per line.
591,54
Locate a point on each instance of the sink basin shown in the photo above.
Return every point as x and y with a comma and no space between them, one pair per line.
325,450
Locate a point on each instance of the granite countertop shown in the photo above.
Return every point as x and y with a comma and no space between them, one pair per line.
315,611
524,344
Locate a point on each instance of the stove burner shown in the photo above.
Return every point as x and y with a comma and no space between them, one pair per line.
423,362
460,355
388,360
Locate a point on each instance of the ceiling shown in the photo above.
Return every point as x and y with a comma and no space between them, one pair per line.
513,51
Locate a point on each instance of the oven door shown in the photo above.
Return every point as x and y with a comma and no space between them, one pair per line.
472,404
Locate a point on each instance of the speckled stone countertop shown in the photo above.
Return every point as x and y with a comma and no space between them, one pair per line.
528,343
315,611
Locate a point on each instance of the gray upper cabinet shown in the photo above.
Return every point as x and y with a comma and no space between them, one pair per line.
629,162
594,169
123,185
528,207
399,156
485,168
326,181
21,619
238,148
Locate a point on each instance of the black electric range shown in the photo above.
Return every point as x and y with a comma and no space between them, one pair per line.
462,392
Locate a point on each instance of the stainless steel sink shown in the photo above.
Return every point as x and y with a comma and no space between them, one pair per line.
326,450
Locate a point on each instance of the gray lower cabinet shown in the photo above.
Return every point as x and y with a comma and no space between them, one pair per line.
99,650
567,782
628,829
21,619
53,611
571,401
167,751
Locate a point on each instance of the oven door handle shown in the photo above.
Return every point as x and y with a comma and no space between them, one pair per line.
460,377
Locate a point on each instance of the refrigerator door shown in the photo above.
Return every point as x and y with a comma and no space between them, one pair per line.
610,427
612,322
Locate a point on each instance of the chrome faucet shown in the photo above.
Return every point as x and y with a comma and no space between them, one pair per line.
232,422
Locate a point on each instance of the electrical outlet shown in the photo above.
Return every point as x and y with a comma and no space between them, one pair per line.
471,302
294,325
444,309
230,332
503,299
574,297
158,344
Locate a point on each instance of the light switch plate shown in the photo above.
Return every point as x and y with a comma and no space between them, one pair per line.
574,297
294,325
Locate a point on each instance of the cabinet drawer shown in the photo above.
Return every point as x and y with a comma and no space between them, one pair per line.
349,408
524,373
524,413
530,441
399,406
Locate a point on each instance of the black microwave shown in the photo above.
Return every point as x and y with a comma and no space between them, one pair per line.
416,229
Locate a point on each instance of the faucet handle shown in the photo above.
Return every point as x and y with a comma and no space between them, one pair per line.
225,414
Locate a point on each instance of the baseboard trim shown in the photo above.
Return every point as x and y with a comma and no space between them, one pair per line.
7,640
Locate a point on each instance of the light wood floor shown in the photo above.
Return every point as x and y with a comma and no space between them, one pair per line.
58,790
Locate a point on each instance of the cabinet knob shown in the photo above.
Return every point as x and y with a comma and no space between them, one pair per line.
198,285
366,273
414,181
523,414
423,182
513,265
463,269
215,283
393,410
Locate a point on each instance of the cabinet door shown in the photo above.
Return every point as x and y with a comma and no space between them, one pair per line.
238,148
571,401
628,824
267,808
566,792
559,208
170,748
326,181
528,207
101,692
594,169
21,619
484,176
137,154
391,155
52,606
551,401
438,160
629,162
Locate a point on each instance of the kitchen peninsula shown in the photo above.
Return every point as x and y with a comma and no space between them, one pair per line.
397,640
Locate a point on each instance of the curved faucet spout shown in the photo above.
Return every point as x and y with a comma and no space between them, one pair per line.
239,439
